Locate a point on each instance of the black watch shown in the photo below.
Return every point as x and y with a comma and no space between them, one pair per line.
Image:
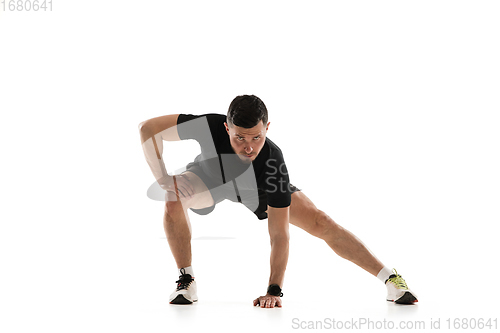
274,290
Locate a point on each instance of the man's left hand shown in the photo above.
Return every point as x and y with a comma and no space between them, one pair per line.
268,301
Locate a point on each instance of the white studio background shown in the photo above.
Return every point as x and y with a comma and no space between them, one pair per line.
387,113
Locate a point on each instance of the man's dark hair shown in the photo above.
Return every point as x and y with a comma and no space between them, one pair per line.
246,111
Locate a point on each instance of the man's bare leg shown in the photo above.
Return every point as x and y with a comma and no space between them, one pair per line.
176,220
305,215
178,230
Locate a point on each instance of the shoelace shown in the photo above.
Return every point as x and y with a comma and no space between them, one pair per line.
184,280
398,280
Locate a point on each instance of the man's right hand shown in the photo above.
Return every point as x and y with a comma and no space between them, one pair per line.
178,184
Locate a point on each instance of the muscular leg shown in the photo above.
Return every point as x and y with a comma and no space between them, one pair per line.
305,215
176,220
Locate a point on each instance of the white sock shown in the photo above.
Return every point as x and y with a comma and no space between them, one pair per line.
384,274
187,270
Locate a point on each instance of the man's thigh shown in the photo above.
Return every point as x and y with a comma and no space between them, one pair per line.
303,212
202,197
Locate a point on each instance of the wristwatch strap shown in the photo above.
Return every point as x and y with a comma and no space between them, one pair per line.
274,290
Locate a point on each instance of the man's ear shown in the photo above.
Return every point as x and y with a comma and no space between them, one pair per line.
267,127
227,128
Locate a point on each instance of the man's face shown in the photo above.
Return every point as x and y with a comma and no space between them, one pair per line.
247,142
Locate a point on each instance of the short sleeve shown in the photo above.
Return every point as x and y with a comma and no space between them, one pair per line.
277,189
186,132
204,128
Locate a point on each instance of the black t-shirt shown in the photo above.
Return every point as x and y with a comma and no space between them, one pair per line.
219,161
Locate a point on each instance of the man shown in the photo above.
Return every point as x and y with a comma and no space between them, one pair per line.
239,163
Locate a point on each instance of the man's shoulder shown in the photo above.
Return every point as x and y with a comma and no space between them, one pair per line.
211,117
274,149
200,127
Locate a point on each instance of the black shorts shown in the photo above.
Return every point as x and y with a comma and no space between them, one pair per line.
220,192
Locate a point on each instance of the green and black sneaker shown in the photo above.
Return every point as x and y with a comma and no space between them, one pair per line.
398,291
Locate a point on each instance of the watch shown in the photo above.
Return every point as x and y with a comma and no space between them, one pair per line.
274,290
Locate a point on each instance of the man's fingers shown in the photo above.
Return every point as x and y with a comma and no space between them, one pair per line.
267,302
191,188
187,184
185,192
184,182
263,304
181,192
181,186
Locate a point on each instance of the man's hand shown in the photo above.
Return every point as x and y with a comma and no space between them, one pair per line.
268,301
184,186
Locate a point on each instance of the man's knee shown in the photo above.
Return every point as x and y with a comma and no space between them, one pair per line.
324,225
174,206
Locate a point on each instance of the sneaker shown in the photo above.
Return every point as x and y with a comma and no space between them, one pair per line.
185,293
398,291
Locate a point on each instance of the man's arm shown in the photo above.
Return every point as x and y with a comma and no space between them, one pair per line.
278,223
153,131
164,126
